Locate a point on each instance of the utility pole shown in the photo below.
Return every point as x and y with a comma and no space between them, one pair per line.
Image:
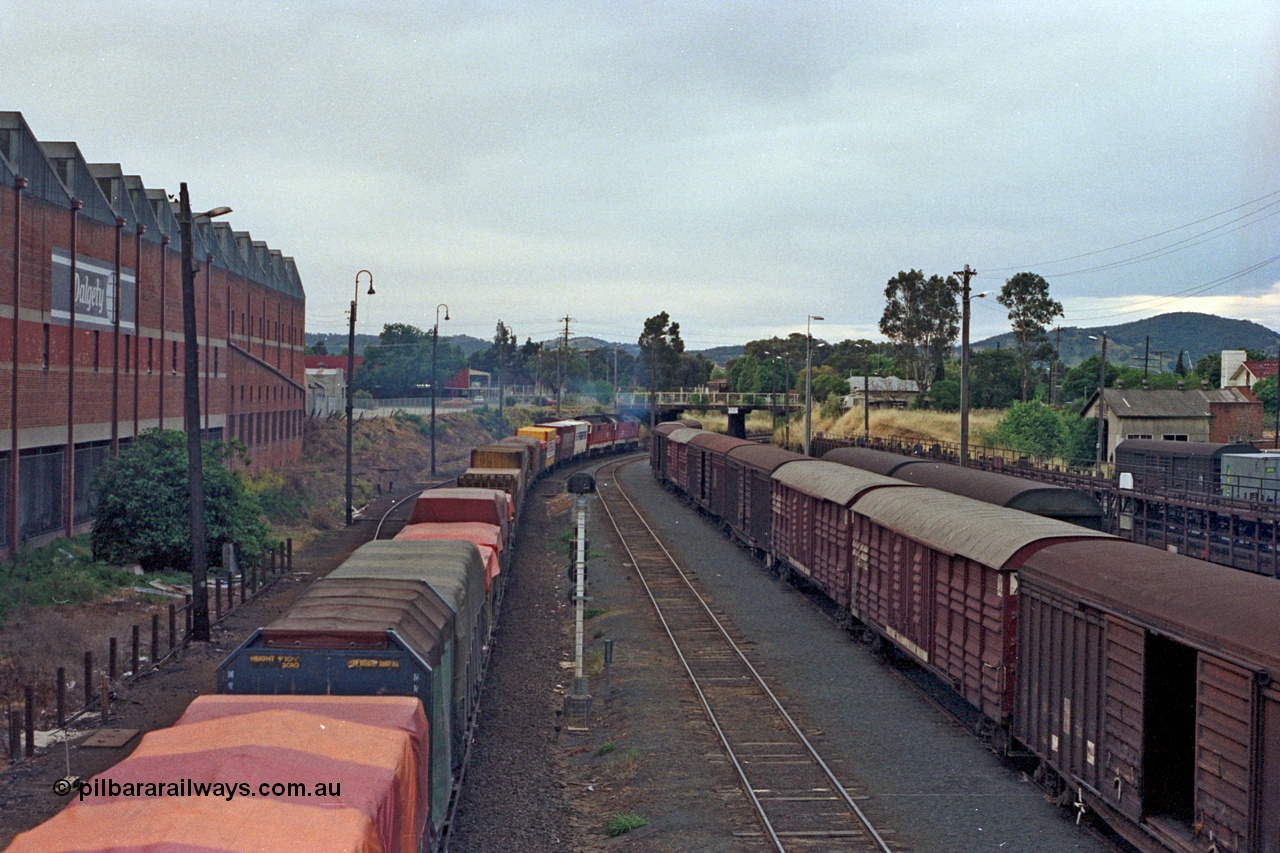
564,345
965,274
1053,374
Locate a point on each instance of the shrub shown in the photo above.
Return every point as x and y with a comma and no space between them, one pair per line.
1030,427
144,505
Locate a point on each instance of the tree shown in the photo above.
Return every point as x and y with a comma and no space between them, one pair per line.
922,319
994,378
319,347
1030,427
400,365
1081,381
152,525
1209,366
1026,295
660,349
1265,390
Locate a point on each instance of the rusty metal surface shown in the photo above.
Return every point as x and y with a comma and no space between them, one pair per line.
1002,490
1213,606
763,457
683,435
718,443
869,459
839,484
991,535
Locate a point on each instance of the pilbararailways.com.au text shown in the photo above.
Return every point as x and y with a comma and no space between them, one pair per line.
191,788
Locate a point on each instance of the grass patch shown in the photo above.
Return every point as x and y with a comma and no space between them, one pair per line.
623,766
621,824
62,572
592,612
593,662
604,748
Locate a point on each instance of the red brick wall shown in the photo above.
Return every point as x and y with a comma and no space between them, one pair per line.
1231,421
273,340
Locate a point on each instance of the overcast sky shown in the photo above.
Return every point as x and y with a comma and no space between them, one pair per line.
738,165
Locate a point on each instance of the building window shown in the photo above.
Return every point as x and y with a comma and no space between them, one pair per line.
97,348
1135,435
215,361
173,358
44,351
1174,436
150,352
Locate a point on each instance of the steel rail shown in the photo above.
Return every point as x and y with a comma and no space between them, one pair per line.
759,680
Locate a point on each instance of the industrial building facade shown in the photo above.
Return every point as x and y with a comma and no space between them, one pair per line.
91,331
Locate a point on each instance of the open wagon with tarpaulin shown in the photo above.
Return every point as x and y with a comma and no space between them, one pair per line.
372,754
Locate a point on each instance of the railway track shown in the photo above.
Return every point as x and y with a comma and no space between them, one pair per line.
801,803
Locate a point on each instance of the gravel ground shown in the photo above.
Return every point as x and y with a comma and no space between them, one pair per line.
931,784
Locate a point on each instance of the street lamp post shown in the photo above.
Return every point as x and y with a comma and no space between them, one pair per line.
1102,405
435,340
965,275
808,378
191,402
351,375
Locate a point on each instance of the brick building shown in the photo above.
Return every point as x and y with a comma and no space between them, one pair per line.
83,370
1221,416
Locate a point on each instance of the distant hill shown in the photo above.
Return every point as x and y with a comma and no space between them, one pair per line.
336,342
1198,334
721,355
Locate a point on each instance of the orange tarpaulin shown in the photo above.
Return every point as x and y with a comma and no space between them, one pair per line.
402,713
201,825
487,537
376,799
464,504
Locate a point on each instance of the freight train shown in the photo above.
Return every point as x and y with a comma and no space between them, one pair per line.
345,724
1140,680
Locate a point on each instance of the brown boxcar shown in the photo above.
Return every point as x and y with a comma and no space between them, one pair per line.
1146,684
1179,466
489,506
940,584
1004,490
875,461
813,522
708,452
749,491
678,457
658,449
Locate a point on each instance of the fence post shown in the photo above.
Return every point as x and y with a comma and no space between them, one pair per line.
186,614
111,658
289,553
88,679
155,639
14,744
29,694
62,697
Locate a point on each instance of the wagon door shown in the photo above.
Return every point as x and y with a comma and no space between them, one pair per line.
1268,757
1223,730
1122,784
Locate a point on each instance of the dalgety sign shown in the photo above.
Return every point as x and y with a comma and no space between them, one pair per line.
96,299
